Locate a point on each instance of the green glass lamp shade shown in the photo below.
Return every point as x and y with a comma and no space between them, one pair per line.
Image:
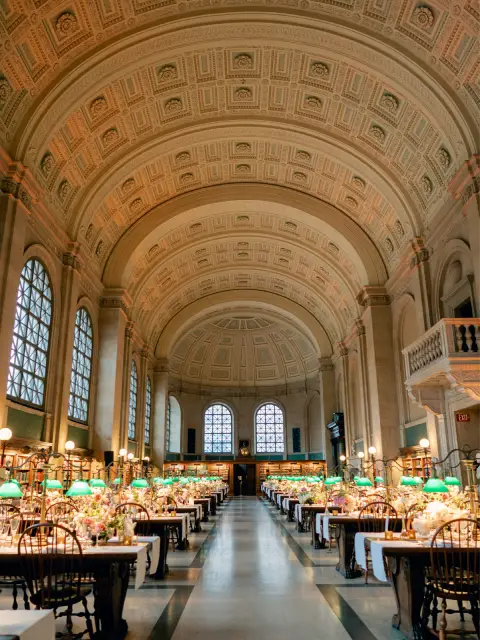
417,480
355,478
15,481
10,489
364,482
331,481
157,480
168,481
407,481
452,481
178,479
78,489
139,483
379,480
435,485
117,481
52,484
97,483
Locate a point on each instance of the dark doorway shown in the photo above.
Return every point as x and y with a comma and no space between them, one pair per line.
244,479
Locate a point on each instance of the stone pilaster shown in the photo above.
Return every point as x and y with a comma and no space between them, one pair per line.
319,438
127,367
142,390
421,283
160,407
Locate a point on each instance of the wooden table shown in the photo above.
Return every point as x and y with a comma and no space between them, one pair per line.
205,502
160,527
192,510
110,570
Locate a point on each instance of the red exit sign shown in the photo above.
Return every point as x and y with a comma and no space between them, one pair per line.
463,417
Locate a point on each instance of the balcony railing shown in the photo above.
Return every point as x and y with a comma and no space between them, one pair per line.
450,340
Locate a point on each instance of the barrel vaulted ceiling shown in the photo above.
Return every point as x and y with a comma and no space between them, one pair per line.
123,108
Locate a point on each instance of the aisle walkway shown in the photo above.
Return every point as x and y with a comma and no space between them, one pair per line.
254,587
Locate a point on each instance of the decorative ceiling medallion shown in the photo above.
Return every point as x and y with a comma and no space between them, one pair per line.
243,147
243,168
98,106
359,182
319,69
64,190
243,93
243,218
196,226
423,17
66,24
173,105
186,178
167,72
243,61
377,132
183,157
389,102
444,158
351,202
333,248
99,249
302,155
291,226
298,176
128,185
389,245
313,102
47,163
89,233
136,204
399,228
110,136
427,185
5,89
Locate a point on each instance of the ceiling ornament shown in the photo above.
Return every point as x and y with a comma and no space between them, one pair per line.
358,182
319,69
399,228
66,24
313,102
243,61
98,106
5,89
167,72
243,147
64,190
183,157
128,185
173,105
389,102
243,168
111,136
303,156
423,17
351,202
444,158
427,185
389,245
299,176
47,164
186,178
243,94
377,132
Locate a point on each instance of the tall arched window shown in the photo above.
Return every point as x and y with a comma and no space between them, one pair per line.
148,411
132,405
218,432
174,425
81,367
27,372
269,430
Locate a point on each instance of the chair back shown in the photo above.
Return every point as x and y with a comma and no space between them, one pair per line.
376,517
59,512
9,513
134,510
455,558
51,563
410,514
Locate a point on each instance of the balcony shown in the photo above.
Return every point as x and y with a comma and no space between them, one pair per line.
447,355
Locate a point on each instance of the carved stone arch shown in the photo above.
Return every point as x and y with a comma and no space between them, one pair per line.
455,249
337,225
193,313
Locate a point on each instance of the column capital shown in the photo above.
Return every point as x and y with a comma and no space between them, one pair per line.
71,257
116,299
359,327
16,180
373,296
341,349
161,366
420,253
129,329
325,364
466,182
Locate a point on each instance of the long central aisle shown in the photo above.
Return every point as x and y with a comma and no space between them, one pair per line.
253,586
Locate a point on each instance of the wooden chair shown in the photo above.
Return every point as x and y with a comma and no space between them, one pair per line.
455,575
59,512
51,561
134,509
410,514
373,519
7,513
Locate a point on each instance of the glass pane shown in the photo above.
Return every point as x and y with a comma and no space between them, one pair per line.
269,429
132,407
148,411
81,367
218,429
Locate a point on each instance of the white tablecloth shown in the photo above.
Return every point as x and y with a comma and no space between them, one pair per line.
360,552
298,512
28,625
376,551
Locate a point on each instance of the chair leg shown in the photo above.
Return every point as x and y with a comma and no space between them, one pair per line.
26,601
435,613
14,594
474,609
88,619
427,603
461,610
366,567
442,635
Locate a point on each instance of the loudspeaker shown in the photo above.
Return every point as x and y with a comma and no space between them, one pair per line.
108,457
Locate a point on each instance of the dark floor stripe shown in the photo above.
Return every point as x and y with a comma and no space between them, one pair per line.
168,621
352,623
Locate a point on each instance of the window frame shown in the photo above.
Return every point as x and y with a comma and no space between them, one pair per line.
284,429
90,378
148,413
132,406
50,327
229,409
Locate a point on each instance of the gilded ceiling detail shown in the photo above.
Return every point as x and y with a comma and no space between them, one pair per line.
245,349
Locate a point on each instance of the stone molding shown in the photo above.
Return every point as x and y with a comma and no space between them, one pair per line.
466,182
373,296
116,299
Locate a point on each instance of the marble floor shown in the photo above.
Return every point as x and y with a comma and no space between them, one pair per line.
250,575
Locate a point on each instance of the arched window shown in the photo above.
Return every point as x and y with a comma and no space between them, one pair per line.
218,433
174,425
269,431
27,372
132,405
148,410
81,367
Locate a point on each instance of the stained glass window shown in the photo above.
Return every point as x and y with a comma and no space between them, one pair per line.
218,433
81,367
132,406
148,410
27,371
269,432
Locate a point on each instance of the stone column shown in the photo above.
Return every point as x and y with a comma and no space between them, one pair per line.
160,407
13,224
320,438
69,298
421,284
125,406
112,323
341,357
368,438
465,186
377,320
